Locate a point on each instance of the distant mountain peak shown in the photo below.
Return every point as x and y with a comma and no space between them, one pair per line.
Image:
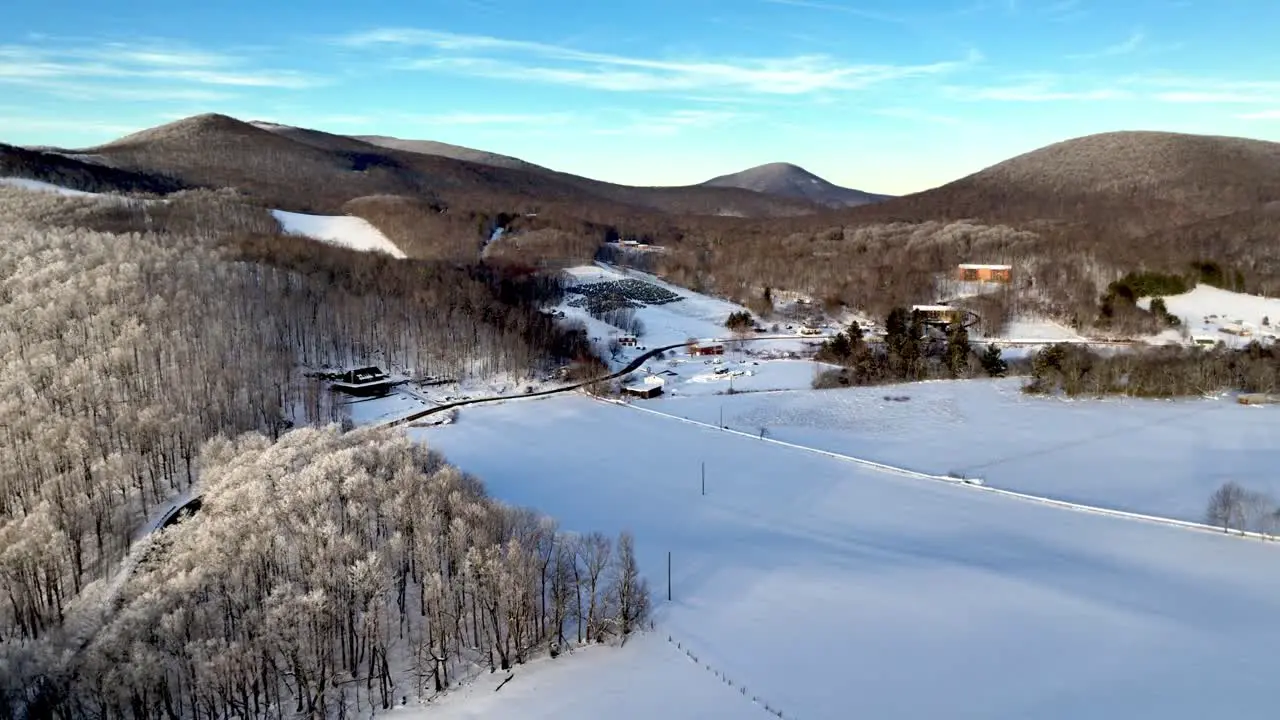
196,125
789,180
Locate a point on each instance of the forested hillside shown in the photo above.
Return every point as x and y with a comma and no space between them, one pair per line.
1071,217
131,333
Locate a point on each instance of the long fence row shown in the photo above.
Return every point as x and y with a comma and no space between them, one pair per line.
742,689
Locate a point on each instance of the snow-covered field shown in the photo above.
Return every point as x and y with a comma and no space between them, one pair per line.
342,230
1149,456
693,316
830,590
1210,311
1034,329
593,683
373,411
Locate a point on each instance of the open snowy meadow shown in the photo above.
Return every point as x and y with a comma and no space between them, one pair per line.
1158,457
822,588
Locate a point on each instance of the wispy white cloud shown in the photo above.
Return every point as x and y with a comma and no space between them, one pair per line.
480,118
1041,91
1151,89
116,62
150,55
659,124
1065,11
1213,98
1261,115
1125,47
668,123
841,8
1271,88
86,90
907,113
519,60
11,123
1205,90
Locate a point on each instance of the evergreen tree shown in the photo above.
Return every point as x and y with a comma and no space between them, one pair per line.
896,329
993,363
856,334
739,321
958,351
839,347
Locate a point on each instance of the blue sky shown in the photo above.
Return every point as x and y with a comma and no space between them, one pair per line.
884,96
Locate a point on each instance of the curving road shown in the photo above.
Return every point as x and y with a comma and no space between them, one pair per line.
630,368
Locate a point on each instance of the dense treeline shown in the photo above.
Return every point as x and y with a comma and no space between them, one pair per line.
131,332
122,353
330,574
345,307
910,351
1156,372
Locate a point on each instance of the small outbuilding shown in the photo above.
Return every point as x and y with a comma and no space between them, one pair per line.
364,382
974,272
650,387
1206,341
707,349
938,314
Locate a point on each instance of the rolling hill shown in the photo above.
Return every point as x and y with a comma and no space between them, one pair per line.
1071,217
307,170
457,152
787,180
1158,177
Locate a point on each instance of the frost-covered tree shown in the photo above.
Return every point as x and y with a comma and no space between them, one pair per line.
628,591
131,336
596,554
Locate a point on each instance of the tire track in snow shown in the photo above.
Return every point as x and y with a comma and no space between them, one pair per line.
917,475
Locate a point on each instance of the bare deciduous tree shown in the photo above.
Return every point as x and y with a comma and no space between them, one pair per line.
596,555
628,590
1227,507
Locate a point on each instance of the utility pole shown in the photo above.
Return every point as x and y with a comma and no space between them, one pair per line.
704,479
668,576
722,417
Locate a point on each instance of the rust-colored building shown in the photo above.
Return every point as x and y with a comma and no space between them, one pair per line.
985,273
710,349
